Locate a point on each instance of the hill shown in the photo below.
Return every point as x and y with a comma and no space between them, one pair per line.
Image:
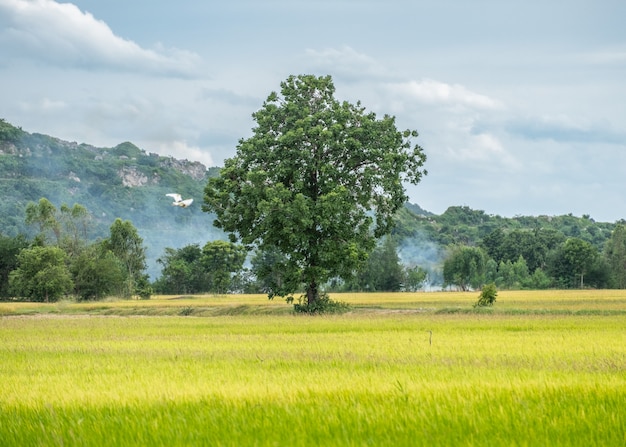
122,181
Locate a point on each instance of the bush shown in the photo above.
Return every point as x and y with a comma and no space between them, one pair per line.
487,296
321,306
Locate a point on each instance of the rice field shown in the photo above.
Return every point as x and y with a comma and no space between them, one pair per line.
540,368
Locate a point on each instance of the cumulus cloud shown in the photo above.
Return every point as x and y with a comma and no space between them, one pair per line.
483,149
429,91
346,63
60,34
182,150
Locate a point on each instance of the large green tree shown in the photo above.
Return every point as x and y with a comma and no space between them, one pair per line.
320,180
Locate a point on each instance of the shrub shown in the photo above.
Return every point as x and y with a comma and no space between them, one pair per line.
322,305
487,296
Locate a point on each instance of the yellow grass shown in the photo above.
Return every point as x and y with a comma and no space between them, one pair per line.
531,300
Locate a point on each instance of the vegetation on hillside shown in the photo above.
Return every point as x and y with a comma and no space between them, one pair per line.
120,182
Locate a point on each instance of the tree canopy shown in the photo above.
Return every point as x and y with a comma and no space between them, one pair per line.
319,180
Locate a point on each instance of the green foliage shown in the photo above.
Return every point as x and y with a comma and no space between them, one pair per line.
487,296
270,268
220,260
182,271
465,267
213,268
414,278
9,133
615,253
143,289
97,273
579,255
382,272
10,248
127,246
319,180
41,274
323,305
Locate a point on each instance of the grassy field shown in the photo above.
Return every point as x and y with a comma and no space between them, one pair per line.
540,368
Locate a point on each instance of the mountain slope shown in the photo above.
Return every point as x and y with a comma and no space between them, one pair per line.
123,181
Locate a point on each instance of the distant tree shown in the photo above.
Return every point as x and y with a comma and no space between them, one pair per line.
183,271
68,224
512,275
221,260
491,271
381,272
127,246
465,267
493,245
319,180
43,214
390,277
580,255
41,274
75,223
506,275
538,280
414,278
96,273
10,248
615,254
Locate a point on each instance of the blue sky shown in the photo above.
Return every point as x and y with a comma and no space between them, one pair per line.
519,105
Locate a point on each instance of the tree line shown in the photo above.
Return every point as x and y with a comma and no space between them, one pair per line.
537,259
60,261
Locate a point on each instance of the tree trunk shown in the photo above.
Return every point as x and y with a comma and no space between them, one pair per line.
311,293
581,280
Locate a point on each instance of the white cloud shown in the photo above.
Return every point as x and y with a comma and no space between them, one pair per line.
345,62
182,150
482,149
429,91
61,34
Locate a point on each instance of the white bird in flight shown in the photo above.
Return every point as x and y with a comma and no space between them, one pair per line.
178,200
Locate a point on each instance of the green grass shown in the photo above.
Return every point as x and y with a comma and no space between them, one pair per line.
388,373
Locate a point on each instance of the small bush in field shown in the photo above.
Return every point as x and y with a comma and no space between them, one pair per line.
487,296
323,305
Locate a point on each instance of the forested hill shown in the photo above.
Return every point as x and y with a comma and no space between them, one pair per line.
122,181
127,182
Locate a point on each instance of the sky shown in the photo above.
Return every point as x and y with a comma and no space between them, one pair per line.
519,105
